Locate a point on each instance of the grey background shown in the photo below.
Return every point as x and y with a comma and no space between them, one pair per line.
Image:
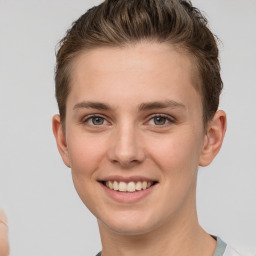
46,217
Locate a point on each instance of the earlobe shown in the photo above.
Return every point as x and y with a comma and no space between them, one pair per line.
214,136
60,139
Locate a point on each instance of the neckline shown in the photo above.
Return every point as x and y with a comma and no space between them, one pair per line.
221,247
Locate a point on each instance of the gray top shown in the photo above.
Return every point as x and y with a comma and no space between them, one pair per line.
220,249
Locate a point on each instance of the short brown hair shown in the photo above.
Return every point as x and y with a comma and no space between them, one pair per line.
123,22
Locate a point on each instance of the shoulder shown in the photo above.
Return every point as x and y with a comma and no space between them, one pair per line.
223,249
230,252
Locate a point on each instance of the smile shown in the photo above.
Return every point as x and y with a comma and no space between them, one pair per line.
130,186
128,189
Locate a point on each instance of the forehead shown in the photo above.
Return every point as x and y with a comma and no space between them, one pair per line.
143,55
135,69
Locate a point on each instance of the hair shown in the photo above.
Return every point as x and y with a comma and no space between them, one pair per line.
119,23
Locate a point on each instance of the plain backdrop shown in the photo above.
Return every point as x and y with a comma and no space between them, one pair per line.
46,217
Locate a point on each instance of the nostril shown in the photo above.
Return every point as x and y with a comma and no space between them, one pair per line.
125,150
126,163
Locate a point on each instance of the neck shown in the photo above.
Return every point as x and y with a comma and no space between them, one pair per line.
181,235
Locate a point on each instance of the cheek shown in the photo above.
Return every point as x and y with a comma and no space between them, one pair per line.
176,154
86,153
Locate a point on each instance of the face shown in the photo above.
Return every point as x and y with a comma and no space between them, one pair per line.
134,136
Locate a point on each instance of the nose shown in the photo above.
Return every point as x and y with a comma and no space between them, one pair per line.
126,147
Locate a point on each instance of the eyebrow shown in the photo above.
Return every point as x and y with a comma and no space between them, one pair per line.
89,104
159,104
143,107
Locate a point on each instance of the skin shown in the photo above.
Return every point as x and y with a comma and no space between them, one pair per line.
130,141
4,246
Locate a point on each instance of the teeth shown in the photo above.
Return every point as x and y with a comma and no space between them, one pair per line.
138,186
131,186
149,184
110,185
144,184
115,185
122,186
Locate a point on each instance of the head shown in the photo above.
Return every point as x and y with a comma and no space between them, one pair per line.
124,23
138,83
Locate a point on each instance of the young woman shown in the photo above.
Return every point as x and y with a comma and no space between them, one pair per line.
138,85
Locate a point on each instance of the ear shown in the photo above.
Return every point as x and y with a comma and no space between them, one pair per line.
60,139
214,136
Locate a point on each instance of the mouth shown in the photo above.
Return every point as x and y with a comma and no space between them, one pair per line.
128,187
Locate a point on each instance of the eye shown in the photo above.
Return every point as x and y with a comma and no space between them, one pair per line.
95,121
160,120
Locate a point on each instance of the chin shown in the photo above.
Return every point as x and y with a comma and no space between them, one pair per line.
129,230
129,223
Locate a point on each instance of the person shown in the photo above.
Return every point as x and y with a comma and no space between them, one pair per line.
138,84
4,244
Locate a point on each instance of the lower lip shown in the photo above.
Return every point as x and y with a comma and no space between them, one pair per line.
128,197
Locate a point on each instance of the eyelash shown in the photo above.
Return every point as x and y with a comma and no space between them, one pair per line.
167,119
88,118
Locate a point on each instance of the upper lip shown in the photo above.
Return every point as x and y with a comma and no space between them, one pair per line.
119,178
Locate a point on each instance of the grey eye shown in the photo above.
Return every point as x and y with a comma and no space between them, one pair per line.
159,120
97,120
